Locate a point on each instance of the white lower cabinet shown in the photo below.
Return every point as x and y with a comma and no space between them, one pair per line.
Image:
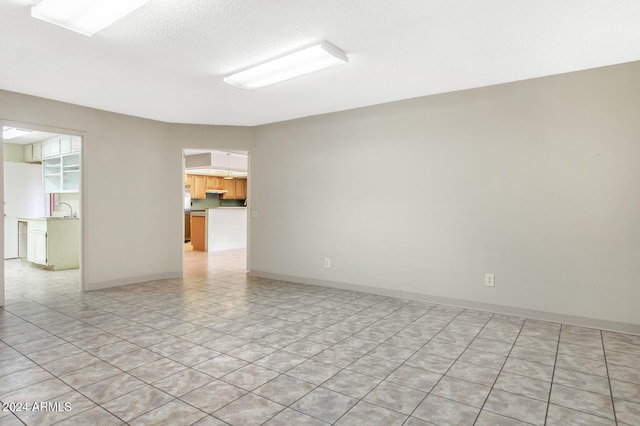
53,242
37,246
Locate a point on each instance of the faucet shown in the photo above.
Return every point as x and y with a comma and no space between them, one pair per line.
72,214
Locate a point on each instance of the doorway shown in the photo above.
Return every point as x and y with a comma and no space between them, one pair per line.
42,208
216,222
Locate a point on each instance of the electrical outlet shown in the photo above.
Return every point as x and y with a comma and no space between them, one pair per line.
489,280
327,262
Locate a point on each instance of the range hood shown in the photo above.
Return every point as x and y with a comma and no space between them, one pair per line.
216,191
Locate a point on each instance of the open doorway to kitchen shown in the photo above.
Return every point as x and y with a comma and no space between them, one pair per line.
215,212
42,213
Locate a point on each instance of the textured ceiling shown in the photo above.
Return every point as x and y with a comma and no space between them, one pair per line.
166,60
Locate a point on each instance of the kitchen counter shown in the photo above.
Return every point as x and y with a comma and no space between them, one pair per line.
198,230
226,228
219,228
53,242
26,219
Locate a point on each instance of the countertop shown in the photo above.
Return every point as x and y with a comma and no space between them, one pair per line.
48,218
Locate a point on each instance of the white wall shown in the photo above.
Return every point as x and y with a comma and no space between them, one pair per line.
535,181
23,197
13,152
71,198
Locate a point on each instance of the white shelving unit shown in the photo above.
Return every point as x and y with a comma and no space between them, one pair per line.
71,173
61,174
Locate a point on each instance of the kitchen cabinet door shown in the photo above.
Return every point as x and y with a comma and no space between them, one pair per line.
46,150
241,189
230,186
37,246
54,147
65,145
28,153
214,182
199,183
54,243
37,151
190,180
199,233
51,148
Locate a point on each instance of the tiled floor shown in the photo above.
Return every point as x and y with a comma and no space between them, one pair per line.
219,347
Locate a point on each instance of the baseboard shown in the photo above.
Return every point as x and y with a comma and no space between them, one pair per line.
619,327
132,280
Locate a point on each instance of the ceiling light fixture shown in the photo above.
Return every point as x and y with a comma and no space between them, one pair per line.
86,17
319,56
12,132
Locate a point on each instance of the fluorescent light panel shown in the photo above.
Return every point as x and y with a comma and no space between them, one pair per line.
303,61
12,132
86,17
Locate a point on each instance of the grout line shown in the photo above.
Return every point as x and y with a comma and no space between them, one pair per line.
553,373
606,366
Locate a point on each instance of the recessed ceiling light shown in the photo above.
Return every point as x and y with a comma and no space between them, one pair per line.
86,17
302,61
12,132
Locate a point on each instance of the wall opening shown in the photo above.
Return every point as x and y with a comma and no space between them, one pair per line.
43,210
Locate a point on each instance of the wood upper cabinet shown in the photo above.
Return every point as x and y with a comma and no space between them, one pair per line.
230,187
188,180
214,182
199,187
241,189
236,189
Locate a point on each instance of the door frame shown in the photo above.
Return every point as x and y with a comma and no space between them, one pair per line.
248,200
83,192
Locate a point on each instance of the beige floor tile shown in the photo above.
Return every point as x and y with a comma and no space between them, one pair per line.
249,410
324,404
133,404
245,348
587,402
175,413
371,415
